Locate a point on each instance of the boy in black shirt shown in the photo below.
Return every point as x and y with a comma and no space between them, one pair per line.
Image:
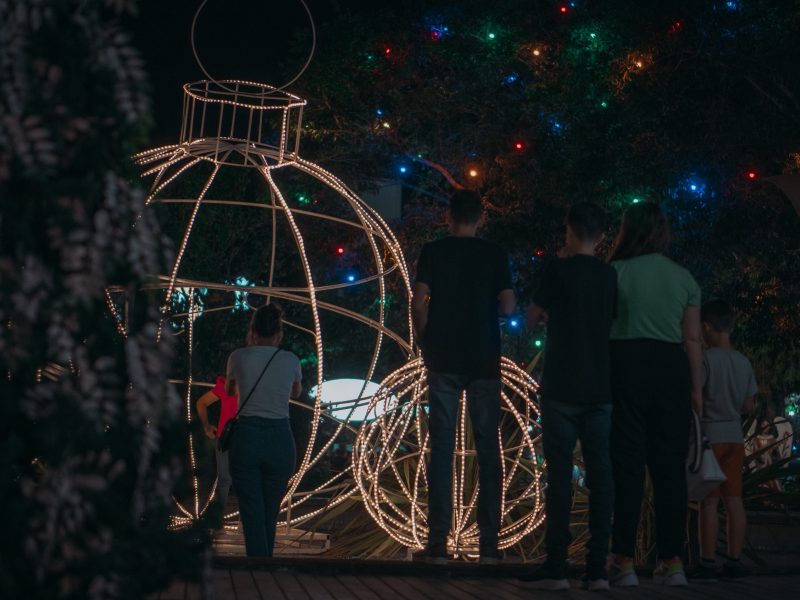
462,283
579,296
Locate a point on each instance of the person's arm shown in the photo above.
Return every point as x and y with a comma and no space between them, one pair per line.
297,389
507,303
297,385
692,344
230,379
542,298
420,295
203,403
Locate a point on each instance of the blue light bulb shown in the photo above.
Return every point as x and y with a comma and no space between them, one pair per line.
514,322
351,278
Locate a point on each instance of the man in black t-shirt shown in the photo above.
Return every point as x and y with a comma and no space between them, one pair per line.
579,297
462,283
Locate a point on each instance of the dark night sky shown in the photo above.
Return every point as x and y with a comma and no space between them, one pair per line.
245,39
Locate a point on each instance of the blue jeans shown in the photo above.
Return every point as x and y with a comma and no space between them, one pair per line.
562,426
483,403
262,459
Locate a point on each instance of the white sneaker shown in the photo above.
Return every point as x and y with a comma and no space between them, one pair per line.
670,573
596,585
622,574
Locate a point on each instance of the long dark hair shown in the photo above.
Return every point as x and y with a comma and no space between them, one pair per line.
644,230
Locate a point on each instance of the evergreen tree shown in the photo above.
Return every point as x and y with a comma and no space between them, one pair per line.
91,438
541,104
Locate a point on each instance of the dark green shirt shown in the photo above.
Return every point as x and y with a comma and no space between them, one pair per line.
652,294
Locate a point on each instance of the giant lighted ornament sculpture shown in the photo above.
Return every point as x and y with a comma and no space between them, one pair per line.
231,127
240,125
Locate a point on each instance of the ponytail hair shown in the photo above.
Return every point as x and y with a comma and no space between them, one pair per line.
267,321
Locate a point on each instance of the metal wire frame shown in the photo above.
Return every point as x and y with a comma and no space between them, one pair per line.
224,126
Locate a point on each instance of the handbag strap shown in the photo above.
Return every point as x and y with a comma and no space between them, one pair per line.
255,385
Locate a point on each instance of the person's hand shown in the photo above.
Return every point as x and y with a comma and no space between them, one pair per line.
210,430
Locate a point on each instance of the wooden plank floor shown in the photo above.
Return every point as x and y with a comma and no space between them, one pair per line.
244,584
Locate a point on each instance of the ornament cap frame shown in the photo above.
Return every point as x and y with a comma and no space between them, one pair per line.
241,123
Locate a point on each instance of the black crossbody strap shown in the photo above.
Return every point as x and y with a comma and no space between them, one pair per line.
255,385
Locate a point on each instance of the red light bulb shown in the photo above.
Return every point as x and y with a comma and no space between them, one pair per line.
540,252
519,145
563,9
752,174
387,51
340,250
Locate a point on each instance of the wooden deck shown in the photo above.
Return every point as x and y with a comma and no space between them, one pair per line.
360,584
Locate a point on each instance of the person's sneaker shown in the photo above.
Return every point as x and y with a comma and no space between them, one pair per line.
622,574
435,554
733,569
597,584
670,572
490,555
547,577
705,572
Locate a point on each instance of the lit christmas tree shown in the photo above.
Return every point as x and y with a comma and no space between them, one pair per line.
540,104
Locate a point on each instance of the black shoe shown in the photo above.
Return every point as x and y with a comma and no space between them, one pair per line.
703,573
490,555
435,554
733,569
547,577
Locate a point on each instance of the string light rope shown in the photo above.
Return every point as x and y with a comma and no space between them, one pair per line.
389,458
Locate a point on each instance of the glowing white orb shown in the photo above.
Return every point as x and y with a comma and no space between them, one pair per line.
349,399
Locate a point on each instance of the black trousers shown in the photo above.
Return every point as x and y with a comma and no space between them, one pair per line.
651,387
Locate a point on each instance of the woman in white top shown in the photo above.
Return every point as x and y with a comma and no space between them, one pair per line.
262,454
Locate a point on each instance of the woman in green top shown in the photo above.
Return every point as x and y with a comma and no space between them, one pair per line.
656,376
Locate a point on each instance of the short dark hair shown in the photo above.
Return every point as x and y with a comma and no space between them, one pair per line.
267,320
587,221
465,207
719,315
